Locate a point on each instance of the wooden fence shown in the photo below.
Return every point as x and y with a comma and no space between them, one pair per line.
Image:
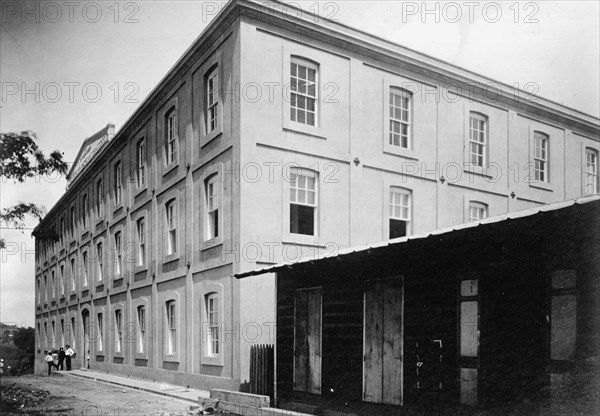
262,370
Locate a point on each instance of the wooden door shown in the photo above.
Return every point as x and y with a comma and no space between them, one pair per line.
86,339
307,340
383,342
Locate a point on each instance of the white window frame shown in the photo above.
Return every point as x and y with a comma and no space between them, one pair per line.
119,331
591,171
53,282
84,209
73,273
212,191
141,240
171,136
118,239
171,226
403,210
298,93
541,159
100,343
404,111
140,155
213,339
477,211
141,318
171,327
84,266
478,139
100,261
61,279
118,186
299,191
212,100
72,220
100,198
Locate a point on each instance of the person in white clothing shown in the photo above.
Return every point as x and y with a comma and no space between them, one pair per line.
69,353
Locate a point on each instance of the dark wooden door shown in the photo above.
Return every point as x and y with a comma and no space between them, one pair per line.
383,342
307,340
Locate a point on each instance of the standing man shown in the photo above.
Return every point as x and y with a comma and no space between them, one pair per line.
49,361
69,353
61,358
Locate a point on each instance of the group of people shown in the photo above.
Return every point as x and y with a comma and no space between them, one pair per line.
57,358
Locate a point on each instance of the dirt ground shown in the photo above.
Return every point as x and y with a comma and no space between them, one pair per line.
87,397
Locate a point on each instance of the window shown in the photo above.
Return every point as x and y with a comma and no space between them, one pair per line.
400,212
118,184
171,225
53,279
140,155
73,274
99,199
171,327
212,314
100,344
118,255
72,221
212,207
61,236
46,334
141,315
591,171
53,335
400,104
477,211
171,129
100,262
61,279
469,318
477,139
540,157
62,332
303,92
118,331
85,268
72,343
141,241
212,100
303,201
39,292
84,210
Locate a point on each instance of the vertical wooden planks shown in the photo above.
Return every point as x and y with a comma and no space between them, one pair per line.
392,343
300,340
314,340
307,340
372,373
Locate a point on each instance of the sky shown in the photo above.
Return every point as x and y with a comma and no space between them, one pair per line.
69,68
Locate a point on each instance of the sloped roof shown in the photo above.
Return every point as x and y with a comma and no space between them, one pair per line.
440,232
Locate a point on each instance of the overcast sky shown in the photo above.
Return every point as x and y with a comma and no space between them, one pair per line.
89,63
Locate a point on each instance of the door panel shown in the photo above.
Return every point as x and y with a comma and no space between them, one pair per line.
383,342
307,340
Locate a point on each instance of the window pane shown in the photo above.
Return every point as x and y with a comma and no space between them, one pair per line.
302,219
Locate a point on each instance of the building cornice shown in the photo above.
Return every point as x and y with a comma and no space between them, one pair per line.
344,37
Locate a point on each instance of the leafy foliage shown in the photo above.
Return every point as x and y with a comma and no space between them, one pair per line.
21,158
24,339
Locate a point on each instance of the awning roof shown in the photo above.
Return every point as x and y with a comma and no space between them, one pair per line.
406,240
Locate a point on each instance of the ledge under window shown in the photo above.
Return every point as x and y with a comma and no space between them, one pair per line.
544,186
170,168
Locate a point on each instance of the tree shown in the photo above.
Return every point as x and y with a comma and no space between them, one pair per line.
21,158
24,339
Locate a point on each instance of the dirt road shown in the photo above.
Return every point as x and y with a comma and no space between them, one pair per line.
87,397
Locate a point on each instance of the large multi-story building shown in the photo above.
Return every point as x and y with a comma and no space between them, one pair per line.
278,135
